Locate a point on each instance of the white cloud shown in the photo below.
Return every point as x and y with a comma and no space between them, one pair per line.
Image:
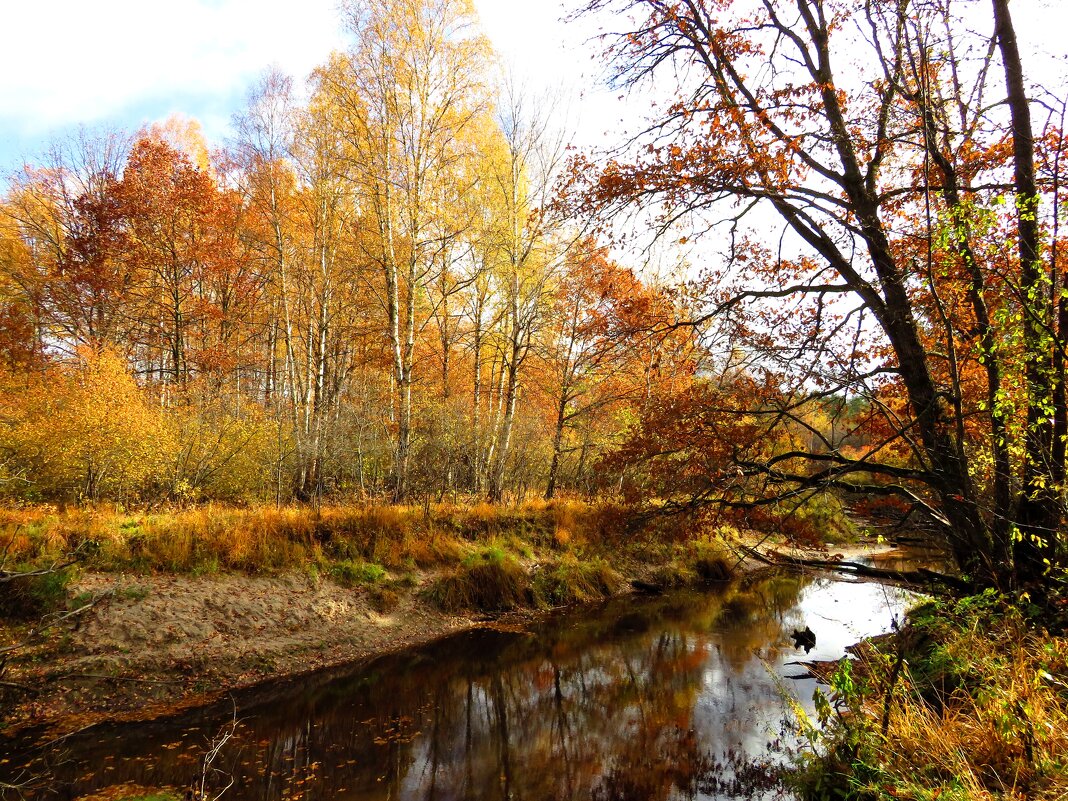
67,61
533,37
81,61
547,53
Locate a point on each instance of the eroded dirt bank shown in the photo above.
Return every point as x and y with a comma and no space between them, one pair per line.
159,643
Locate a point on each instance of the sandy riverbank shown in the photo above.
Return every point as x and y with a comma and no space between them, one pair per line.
156,644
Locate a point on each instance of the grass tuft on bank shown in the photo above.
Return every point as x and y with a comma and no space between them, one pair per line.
969,701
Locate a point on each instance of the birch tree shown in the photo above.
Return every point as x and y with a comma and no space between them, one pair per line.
404,94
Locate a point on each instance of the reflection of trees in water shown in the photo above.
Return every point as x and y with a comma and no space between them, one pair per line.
594,704
548,727
755,618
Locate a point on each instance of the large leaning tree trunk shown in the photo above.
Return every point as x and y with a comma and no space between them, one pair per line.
909,277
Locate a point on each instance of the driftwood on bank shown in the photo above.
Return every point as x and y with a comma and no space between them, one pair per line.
930,580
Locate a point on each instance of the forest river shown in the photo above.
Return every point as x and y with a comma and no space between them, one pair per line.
669,697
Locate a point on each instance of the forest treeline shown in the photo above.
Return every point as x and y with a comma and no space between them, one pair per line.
385,285
367,292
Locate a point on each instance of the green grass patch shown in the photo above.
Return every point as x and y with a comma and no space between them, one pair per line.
351,573
573,580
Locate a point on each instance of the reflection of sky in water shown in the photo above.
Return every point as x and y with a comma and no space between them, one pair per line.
643,698
846,612
740,705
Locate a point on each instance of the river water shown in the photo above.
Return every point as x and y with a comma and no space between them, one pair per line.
669,697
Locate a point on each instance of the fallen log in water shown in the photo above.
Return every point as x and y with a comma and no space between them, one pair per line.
921,577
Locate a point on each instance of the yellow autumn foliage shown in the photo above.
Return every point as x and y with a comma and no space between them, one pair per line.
224,450
82,431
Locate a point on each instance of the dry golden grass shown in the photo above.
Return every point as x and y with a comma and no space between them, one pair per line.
980,711
1004,732
487,581
490,558
266,538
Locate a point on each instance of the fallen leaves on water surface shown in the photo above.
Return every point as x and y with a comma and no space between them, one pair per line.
121,791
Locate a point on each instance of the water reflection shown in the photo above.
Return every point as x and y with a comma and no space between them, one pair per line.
665,698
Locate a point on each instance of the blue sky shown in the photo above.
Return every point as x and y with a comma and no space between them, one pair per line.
132,61
125,63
